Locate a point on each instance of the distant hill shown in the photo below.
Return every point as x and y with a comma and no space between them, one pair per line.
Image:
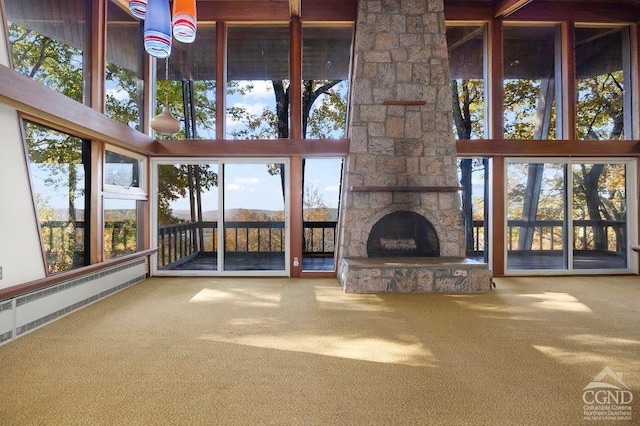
236,214
207,216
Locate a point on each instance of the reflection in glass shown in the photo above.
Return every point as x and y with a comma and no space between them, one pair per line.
254,228
186,82
187,216
257,82
536,216
47,43
600,82
466,58
124,77
59,180
599,216
320,201
121,170
529,85
325,72
120,227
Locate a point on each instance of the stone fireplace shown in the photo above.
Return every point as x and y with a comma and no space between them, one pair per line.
403,233
400,223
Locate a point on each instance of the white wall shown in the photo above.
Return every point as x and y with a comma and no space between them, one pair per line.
20,253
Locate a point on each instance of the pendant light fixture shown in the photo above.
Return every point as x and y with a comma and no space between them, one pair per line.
138,8
165,123
157,28
185,20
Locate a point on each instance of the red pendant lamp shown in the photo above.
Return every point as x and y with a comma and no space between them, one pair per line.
184,20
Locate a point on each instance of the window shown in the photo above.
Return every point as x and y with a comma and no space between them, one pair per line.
466,58
186,83
58,164
257,82
124,76
473,174
529,82
325,73
320,202
47,43
124,194
601,60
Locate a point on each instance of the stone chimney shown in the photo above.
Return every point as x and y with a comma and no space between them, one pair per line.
402,154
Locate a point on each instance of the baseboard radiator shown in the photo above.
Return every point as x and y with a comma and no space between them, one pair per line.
28,312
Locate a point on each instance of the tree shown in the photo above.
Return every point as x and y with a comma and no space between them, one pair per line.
467,98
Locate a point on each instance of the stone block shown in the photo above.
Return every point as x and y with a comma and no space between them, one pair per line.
394,127
387,41
381,146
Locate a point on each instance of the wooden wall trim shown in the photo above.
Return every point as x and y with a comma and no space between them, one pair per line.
252,148
39,284
495,79
634,45
568,79
221,78
97,18
295,90
96,218
497,214
548,148
295,214
48,106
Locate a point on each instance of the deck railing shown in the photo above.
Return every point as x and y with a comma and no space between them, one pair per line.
186,240
180,242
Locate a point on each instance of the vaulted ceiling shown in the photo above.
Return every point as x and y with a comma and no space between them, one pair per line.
581,10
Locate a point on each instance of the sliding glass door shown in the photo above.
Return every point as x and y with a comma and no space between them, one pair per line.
569,215
255,237
220,217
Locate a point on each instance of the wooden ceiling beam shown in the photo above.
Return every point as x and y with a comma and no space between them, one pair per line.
295,8
265,10
62,113
506,7
460,10
210,11
543,11
578,11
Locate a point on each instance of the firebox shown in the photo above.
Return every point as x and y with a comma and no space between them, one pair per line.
403,233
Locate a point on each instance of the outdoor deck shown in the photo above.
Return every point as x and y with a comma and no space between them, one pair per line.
242,262
260,246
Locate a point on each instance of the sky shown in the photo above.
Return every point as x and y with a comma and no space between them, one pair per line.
250,186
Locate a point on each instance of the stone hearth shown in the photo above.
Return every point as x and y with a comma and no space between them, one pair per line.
403,156
413,275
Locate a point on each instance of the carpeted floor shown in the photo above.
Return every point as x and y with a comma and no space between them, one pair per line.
204,351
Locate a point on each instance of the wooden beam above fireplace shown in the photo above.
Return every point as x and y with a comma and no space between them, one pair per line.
405,188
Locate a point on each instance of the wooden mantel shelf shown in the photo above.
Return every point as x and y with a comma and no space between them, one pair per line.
404,102
405,188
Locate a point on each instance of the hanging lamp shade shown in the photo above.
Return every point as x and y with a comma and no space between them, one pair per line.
157,29
138,8
165,123
184,20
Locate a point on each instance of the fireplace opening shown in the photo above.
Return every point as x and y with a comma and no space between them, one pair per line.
403,233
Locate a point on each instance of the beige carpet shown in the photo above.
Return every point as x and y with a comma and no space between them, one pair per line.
208,351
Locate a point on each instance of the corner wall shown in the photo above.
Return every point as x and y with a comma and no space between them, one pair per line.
20,252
